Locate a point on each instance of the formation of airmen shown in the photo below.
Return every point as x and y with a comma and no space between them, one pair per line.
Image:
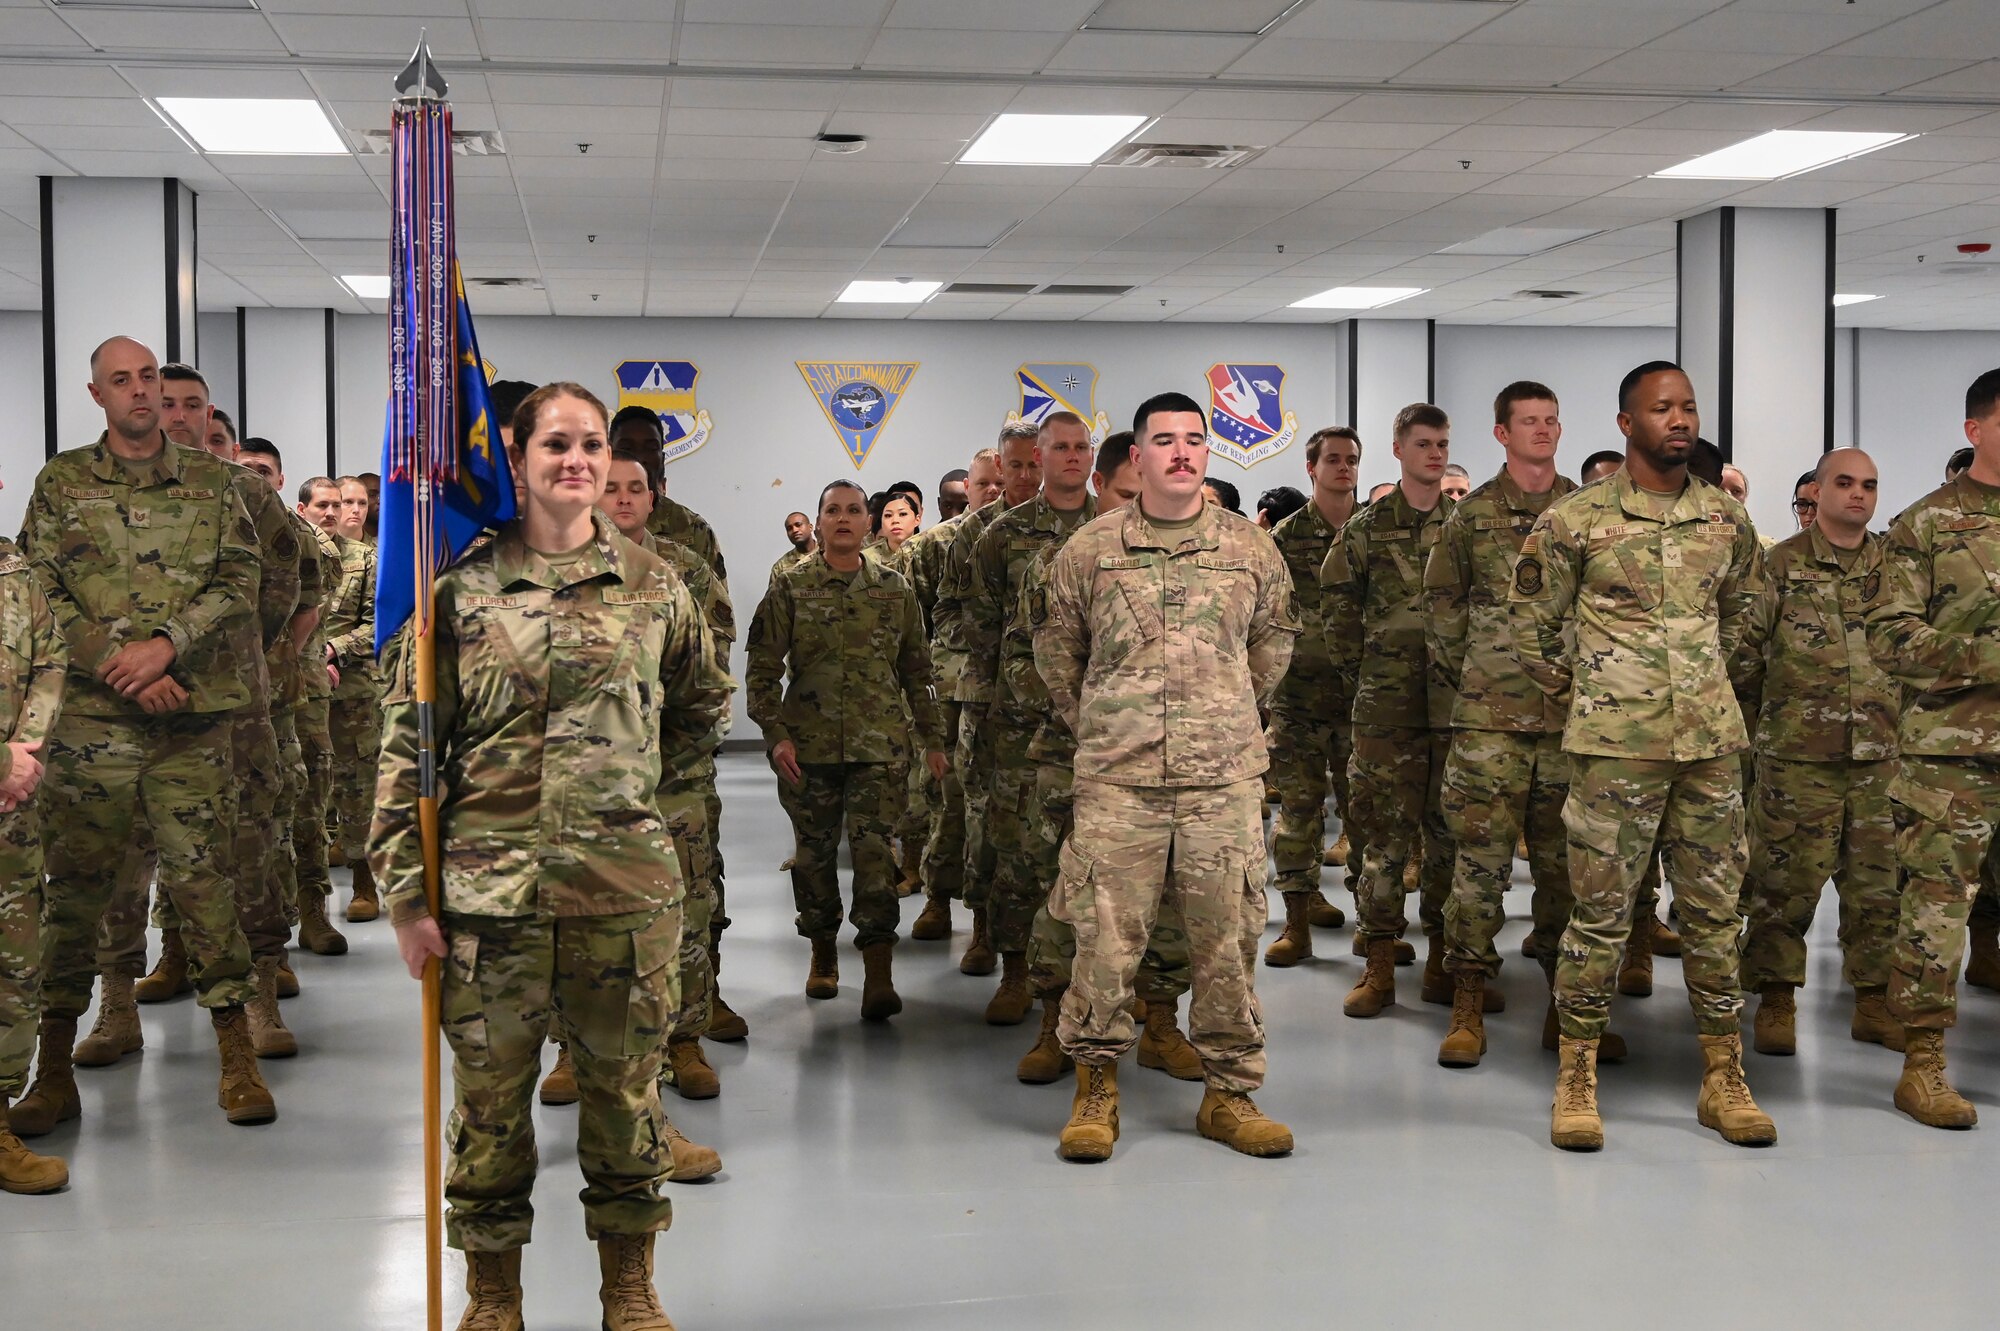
1064,707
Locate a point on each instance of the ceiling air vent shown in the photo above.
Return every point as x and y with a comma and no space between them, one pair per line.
1543,293
464,142
988,289
1200,156
507,283
1082,289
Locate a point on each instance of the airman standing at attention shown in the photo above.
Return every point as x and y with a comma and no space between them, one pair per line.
1168,628
1628,598
1307,742
1936,627
798,530
319,504
1372,601
354,721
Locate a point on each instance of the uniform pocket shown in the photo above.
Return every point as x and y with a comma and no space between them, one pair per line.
1915,800
655,991
1075,895
463,1002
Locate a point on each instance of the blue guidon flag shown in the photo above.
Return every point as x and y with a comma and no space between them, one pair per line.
1247,420
666,387
857,397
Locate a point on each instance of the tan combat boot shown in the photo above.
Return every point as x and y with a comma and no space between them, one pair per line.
1635,972
724,1022
1046,1062
1092,1129
53,1098
559,1087
244,1098
911,859
316,933
1725,1103
1531,945
690,1161
1774,1030
493,1280
1335,856
1406,955
879,1000
1232,1118
1436,986
21,1170
117,1032
1574,1124
625,1262
365,904
1162,1046
1011,1002
1982,955
823,976
268,1036
1413,872
1377,989
933,922
288,982
1666,941
1295,944
1324,914
1872,1023
693,1078
979,958
1465,1043
169,976
1924,1093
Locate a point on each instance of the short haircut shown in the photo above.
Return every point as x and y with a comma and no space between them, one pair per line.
1453,469
1164,402
1016,430
1982,396
1521,390
1226,494
1319,438
1819,473
263,448
954,475
1113,453
1638,372
217,416
175,372
531,407
1602,455
913,490
347,480
991,455
368,476
626,415
306,487
649,461
1420,416
879,504
1062,418
508,395
1280,502
1960,461
842,484
1705,461
1809,478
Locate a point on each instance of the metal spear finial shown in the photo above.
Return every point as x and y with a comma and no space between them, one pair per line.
420,78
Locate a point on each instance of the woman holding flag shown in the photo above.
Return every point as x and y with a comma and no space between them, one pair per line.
571,682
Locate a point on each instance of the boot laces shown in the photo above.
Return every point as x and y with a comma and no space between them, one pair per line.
1096,1099
1735,1090
1466,1005
1576,1088
489,1307
1241,1106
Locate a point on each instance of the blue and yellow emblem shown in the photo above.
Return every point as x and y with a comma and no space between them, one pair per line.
858,398
1247,420
1048,387
666,387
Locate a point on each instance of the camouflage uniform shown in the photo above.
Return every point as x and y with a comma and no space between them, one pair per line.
788,561
125,552
913,825
924,558
566,694
999,564
1935,626
1506,774
313,722
853,647
354,718
1825,740
32,662
1372,604
1308,743
1654,593
974,754
1158,647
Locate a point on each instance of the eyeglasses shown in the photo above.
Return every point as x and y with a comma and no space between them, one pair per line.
1804,506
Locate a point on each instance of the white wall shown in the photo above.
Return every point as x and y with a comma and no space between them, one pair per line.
1912,416
22,445
217,334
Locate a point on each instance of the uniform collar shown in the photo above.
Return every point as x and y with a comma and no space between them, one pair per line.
1976,498
1517,498
1043,516
1697,501
1824,551
165,466
1404,514
514,562
818,570
1140,534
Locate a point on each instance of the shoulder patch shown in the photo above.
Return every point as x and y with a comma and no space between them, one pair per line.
13,564
1532,544
1528,579
1871,586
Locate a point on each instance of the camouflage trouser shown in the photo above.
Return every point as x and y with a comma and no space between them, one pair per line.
914,827
610,982
121,933
1134,851
865,797
1986,904
1499,786
1398,773
686,815
944,852
1946,815
309,814
355,726
711,800
1305,754
291,789
110,782
974,757
1618,808
1164,973
1809,822
1009,832
20,943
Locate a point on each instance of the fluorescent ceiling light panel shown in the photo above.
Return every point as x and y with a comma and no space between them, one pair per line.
1520,241
1781,154
368,288
1357,298
1240,18
887,293
1033,140
1853,298
295,126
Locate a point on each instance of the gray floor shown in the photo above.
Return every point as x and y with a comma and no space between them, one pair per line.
898,1177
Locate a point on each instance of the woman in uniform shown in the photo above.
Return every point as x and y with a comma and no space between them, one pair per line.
894,517
572,679
839,676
